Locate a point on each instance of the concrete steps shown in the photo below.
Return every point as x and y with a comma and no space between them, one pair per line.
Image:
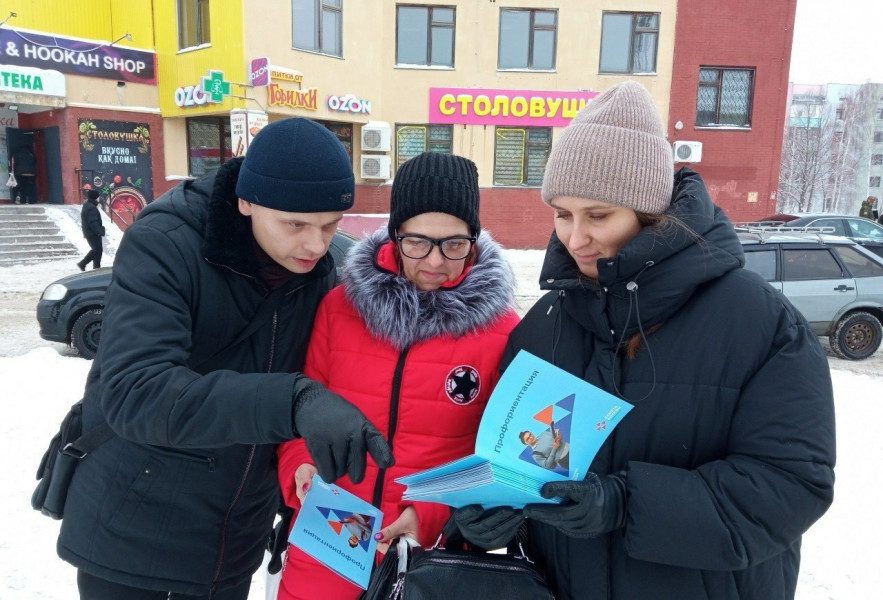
28,235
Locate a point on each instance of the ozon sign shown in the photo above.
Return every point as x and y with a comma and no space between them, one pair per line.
190,95
349,103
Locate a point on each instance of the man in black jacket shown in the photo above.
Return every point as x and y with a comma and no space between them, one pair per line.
205,331
93,230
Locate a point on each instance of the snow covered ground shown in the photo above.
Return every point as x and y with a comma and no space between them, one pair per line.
39,380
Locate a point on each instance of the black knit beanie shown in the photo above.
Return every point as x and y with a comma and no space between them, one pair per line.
297,165
435,182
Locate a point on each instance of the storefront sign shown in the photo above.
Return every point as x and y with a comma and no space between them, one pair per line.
76,57
471,106
244,125
190,95
116,160
259,72
278,96
25,80
283,74
215,87
349,103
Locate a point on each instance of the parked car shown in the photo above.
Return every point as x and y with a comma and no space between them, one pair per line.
864,231
70,309
836,283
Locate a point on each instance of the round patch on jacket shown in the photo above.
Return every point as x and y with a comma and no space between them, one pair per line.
463,384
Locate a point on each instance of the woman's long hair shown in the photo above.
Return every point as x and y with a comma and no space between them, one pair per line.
661,222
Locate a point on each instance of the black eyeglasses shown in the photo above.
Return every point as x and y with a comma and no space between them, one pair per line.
456,247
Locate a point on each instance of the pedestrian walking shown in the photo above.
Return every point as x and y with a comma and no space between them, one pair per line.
93,230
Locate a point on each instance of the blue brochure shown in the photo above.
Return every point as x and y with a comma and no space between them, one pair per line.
337,528
541,424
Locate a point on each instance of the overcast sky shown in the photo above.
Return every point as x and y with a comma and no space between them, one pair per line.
838,41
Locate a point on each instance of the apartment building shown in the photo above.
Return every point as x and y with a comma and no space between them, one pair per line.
832,158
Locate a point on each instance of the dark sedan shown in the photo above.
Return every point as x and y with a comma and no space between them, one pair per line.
70,309
864,231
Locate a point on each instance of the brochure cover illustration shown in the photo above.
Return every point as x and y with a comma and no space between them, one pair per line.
541,424
337,529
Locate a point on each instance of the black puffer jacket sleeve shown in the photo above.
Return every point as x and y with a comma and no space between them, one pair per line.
777,476
149,393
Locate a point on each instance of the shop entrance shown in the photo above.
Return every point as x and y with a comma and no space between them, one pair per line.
37,154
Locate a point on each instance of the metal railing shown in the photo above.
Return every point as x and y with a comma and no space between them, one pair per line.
762,231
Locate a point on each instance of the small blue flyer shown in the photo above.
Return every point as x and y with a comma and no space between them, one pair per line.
337,528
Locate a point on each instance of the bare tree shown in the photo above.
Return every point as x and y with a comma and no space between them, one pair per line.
824,151
852,148
808,162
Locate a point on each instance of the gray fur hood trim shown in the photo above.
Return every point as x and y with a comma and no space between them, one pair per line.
395,311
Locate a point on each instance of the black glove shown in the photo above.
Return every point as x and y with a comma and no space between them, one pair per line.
489,529
596,505
337,434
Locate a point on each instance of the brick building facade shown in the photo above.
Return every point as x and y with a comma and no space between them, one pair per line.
742,140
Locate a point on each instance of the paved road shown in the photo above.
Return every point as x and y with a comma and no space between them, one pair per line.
21,286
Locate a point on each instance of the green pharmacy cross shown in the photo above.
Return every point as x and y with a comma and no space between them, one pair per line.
215,86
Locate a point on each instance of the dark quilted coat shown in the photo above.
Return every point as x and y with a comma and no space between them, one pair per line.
729,451
183,497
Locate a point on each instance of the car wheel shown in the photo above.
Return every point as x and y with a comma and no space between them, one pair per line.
86,333
856,336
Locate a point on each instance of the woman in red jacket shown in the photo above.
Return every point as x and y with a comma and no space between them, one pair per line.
414,338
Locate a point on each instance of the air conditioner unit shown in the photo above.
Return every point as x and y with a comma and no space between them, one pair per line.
375,166
690,152
376,136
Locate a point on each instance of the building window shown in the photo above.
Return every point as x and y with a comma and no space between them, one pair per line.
317,26
725,97
527,39
425,36
193,23
208,144
520,155
412,140
880,113
628,42
877,159
878,136
874,182
344,132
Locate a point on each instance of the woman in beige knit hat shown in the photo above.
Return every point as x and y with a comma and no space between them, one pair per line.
706,487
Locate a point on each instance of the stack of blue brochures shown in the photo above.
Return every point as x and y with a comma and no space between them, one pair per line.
541,424
337,528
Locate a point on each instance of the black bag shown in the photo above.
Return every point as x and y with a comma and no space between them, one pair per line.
438,573
387,573
59,461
